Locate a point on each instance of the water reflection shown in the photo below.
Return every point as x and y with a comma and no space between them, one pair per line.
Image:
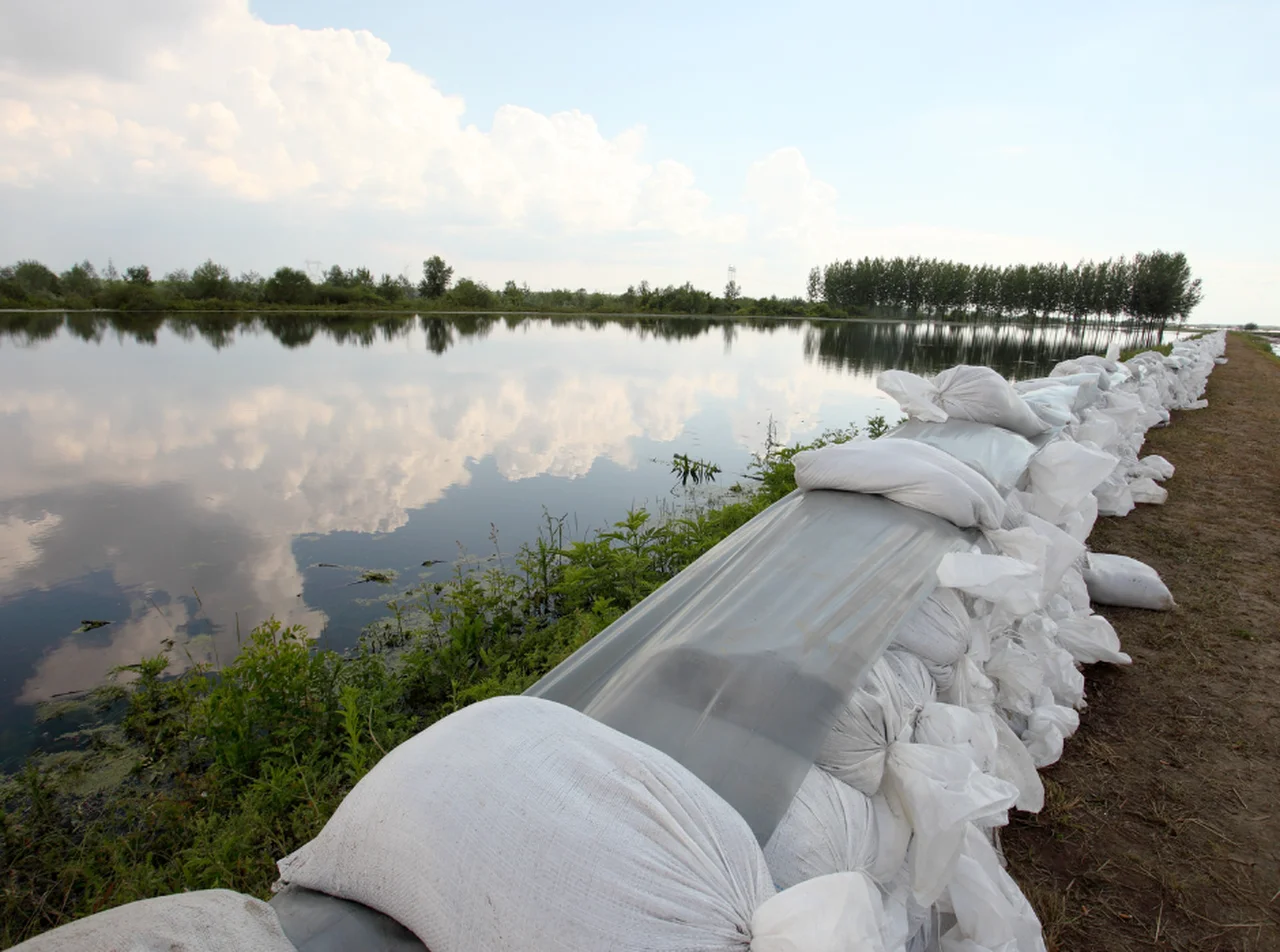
184,476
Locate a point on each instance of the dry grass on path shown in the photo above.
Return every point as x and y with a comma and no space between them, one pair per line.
1162,823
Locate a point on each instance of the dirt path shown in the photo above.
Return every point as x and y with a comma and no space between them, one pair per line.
1162,823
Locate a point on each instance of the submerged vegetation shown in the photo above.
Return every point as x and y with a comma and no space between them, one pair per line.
1150,288
204,778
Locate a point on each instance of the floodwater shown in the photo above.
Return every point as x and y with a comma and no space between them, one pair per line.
185,477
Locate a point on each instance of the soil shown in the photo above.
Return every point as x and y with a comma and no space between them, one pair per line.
1161,828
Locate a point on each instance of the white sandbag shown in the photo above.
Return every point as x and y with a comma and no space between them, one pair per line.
1062,474
908,472
1113,350
1048,725
1085,386
1008,582
940,791
991,911
1148,491
211,920
1075,589
842,911
958,728
1039,636
913,675
983,396
1079,522
1062,550
916,395
1049,409
970,687
518,823
1090,638
832,828
1097,428
937,633
1128,583
1070,368
1015,765
1017,674
1114,497
978,394
1153,467
877,714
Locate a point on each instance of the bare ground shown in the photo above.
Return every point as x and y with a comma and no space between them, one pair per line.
1162,823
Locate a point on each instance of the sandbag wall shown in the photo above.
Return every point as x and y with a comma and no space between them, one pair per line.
521,823
988,668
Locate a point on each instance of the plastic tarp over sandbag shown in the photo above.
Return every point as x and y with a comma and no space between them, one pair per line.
962,393
738,666
998,454
914,474
211,920
521,824
1128,583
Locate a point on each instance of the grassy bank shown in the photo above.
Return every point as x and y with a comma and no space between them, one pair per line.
204,779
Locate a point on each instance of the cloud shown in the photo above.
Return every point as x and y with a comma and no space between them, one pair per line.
206,96
172,487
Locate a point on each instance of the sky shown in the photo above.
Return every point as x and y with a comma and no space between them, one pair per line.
594,145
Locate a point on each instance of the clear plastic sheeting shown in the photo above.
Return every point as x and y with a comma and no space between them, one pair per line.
738,666
998,454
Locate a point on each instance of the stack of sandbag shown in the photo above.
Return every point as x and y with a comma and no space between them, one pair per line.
996,685
519,823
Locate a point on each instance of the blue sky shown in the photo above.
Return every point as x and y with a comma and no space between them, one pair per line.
768,136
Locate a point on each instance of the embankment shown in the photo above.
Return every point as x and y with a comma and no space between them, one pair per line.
1162,824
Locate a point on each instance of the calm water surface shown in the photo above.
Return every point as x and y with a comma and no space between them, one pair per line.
178,477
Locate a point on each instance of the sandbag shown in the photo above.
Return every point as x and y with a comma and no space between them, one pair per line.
1147,491
1008,582
991,911
518,823
978,394
1153,467
913,474
1114,497
994,452
1128,583
877,714
1015,765
832,828
210,920
1062,474
940,791
958,728
1048,725
913,675
1090,638
937,633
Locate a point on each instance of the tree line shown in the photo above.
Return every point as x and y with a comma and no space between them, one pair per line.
210,286
1149,288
